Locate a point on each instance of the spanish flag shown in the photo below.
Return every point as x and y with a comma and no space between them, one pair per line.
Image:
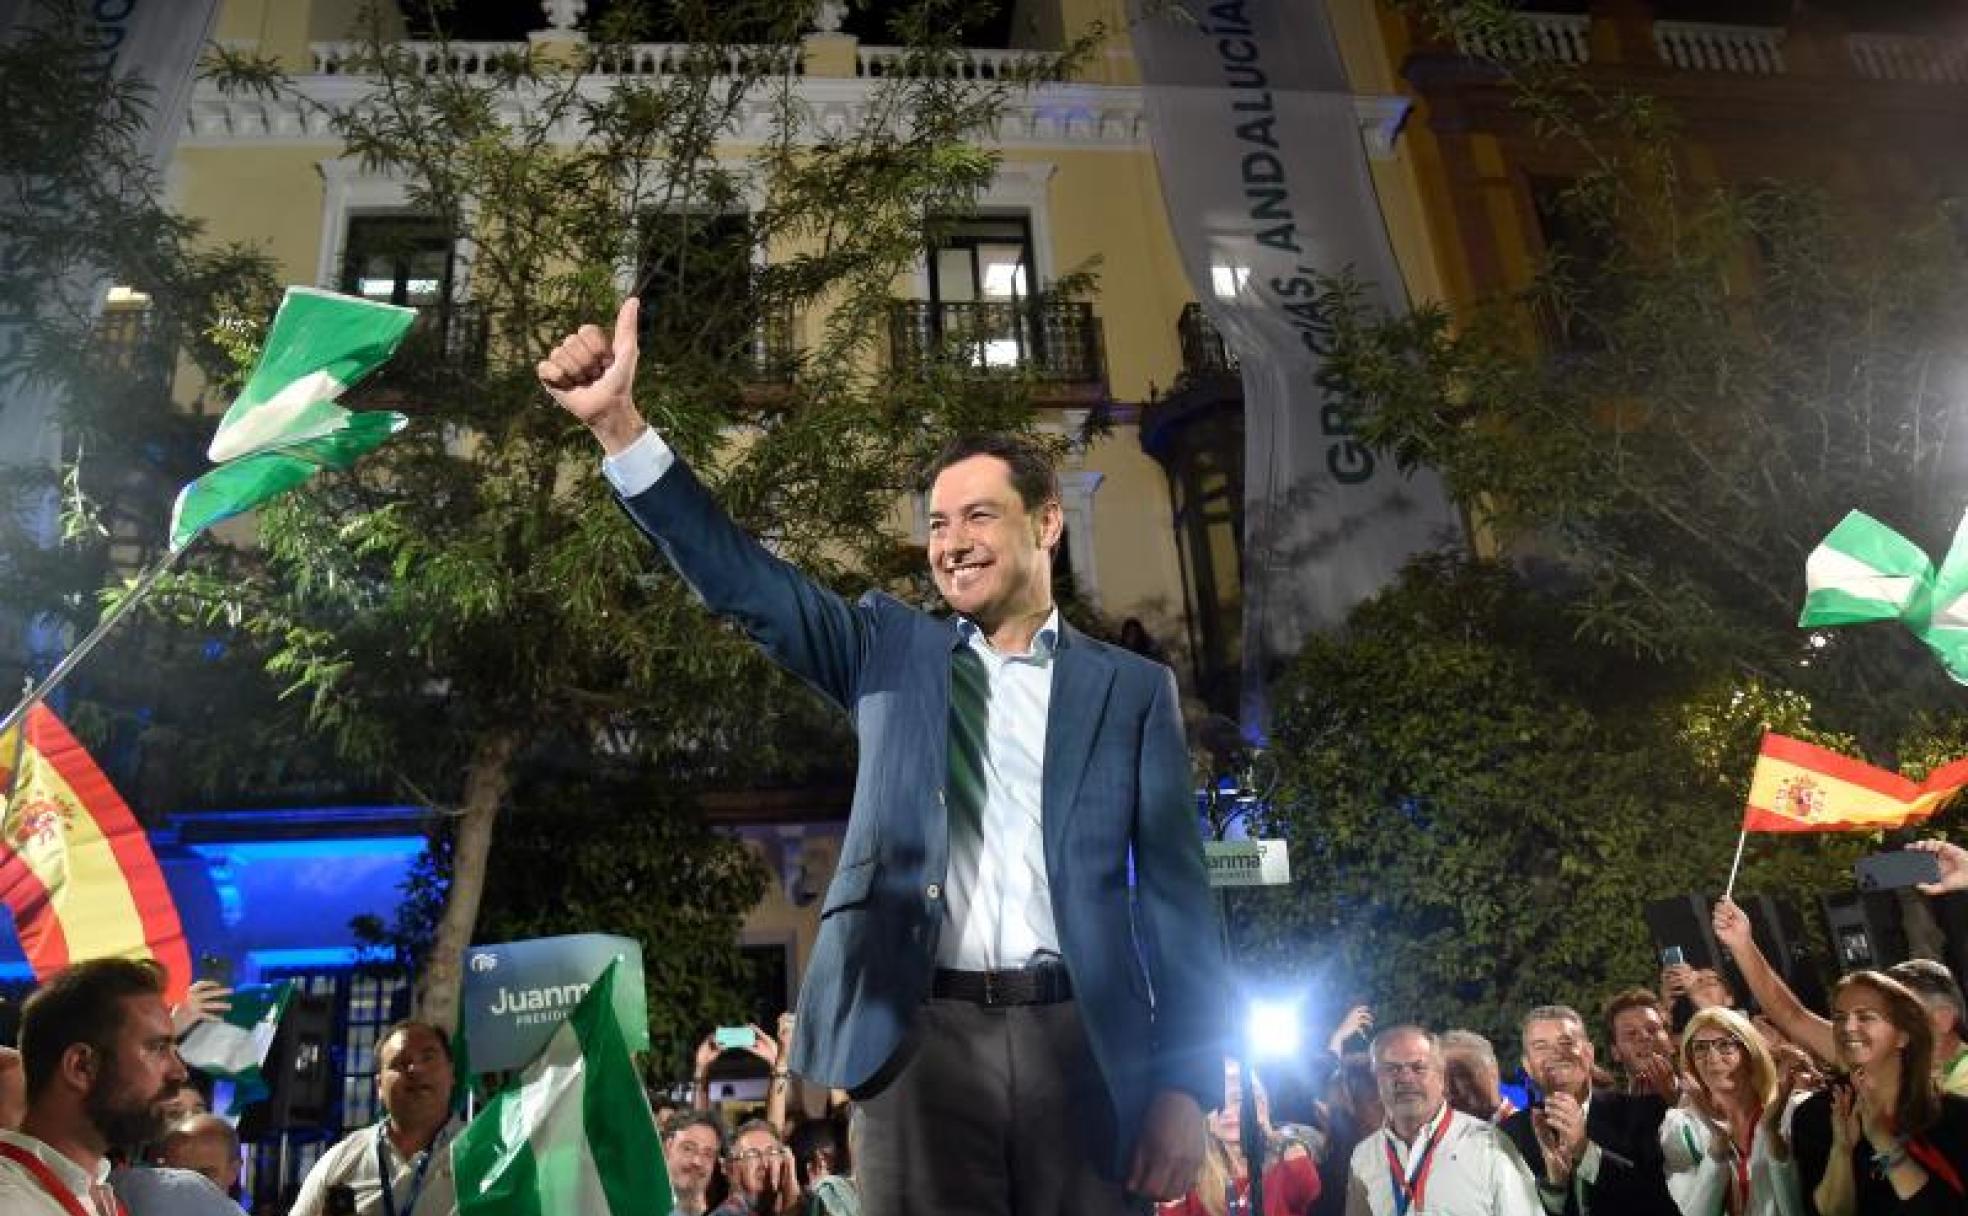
75,868
1798,787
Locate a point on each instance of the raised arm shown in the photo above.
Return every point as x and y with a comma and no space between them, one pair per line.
801,625
1778,1002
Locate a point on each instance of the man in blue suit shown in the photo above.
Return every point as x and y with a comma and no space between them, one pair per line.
1024,1030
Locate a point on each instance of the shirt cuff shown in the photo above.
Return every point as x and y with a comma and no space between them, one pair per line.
640,465
1588,1166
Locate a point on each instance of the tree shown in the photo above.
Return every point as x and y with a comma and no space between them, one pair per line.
81,209
1492,769
467,601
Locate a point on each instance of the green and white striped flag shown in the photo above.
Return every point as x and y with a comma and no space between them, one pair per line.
574,1135
285,426
1865,571
234,1047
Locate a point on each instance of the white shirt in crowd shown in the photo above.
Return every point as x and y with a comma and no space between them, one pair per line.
997,901
22,1194
1702,1167
1474,1171
352,1162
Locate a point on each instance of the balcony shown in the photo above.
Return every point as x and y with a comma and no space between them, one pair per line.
1907,57
1054,342
1697,46
1545,37
1205,355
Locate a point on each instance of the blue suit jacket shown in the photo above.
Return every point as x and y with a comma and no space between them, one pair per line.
1146,961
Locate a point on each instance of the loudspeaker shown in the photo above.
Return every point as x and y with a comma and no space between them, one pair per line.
299,1071
1780,933
1951,914
1684,921
1866,933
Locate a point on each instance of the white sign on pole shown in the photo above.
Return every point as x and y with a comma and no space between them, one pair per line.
1247,863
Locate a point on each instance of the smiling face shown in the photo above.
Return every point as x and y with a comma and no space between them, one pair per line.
1864,1029
1559,1057
692,1154
1720,1061
1639,1033
990,555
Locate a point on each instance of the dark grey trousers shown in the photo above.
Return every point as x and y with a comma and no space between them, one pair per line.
989,1112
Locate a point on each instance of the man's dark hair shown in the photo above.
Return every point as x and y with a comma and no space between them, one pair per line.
1934,984
699,1118
82,1004
1032,474
409,1024
1633,998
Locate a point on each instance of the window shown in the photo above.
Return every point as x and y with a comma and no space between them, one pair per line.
398,259
695,283
980,274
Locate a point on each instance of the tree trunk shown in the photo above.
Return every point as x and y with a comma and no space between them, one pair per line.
486,783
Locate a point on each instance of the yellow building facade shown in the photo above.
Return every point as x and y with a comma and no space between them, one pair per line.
1077,186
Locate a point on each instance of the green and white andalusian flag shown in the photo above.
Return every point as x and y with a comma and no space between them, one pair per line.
234,1047
575,1134
285,426
1864,571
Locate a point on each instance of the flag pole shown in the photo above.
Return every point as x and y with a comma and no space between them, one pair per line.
20,749
81,651
1742,838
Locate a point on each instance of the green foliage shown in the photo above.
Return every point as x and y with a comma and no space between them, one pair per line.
583,853
468,604
1480,803
1493,769
80,200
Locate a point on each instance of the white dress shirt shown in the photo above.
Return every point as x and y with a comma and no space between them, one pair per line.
22,1194
1701,1167
998,903
353,1163
998,907
1476,1171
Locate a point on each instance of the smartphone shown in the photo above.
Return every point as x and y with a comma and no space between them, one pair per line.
218,970
728,1037
1901,868
1673,956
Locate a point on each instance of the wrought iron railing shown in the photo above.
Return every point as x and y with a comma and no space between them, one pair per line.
1053,340
1204,352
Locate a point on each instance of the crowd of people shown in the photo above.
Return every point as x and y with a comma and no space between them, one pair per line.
1698,1108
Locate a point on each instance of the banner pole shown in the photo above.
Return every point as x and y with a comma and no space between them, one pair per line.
1729,891
81,651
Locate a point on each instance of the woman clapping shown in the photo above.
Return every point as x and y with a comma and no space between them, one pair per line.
1726,1145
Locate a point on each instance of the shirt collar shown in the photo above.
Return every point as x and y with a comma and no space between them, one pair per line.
72,1176
1427,1129
1044,642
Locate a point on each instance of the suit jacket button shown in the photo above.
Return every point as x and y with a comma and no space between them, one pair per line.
934,891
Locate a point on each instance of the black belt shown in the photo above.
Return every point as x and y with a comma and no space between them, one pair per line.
1043,985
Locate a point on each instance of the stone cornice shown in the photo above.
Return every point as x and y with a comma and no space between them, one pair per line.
1056,116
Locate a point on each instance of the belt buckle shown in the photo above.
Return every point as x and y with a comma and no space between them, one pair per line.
990,989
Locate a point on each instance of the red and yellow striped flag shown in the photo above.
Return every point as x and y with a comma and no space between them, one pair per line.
1798,787
75,867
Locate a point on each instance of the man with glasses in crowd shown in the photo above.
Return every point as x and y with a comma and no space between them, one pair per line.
1430,1156
760,1170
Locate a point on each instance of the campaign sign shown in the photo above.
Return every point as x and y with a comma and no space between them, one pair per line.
1247,863
517,993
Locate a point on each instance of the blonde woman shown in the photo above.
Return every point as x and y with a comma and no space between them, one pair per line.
1727,1146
